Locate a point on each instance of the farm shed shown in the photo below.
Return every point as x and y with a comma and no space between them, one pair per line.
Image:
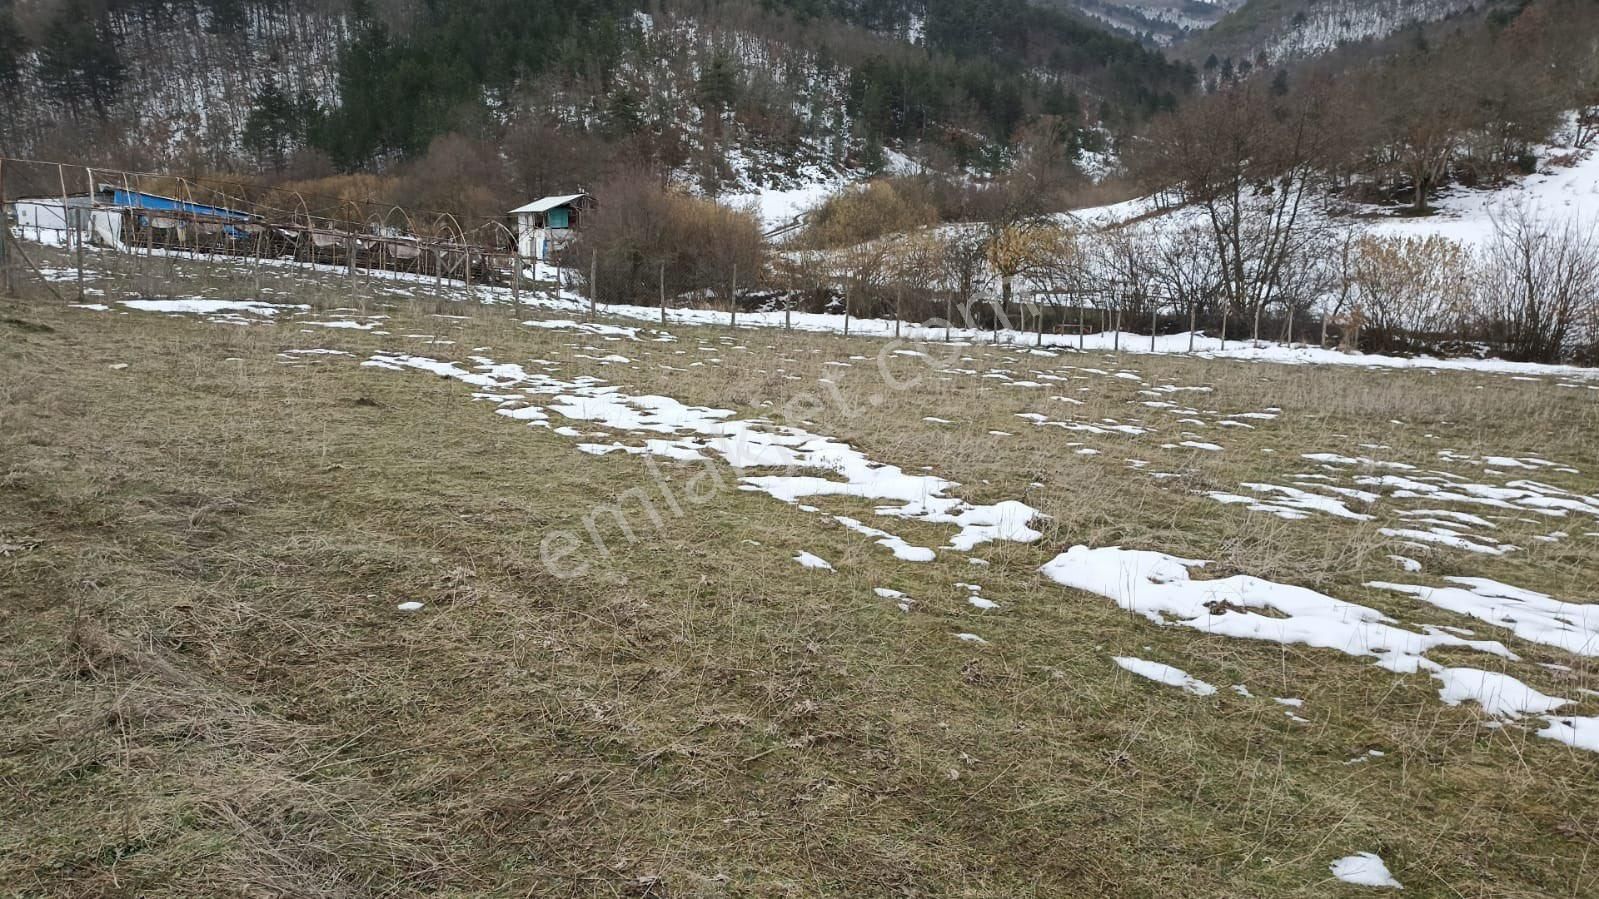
50,220
543,225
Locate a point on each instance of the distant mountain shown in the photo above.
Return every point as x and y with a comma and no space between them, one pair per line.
1157,22
1287,30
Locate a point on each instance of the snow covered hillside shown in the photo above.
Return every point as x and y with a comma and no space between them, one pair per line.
1286,31
1564,187
1157,21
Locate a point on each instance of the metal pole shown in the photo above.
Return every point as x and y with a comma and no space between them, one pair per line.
663,293
1152,323
1082,324
732,300
5,237
1193,314
88,175
594,273
66,213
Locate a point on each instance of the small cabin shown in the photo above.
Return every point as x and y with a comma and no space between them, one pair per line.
543,225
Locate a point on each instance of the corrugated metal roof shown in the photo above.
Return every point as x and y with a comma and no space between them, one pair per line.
545,204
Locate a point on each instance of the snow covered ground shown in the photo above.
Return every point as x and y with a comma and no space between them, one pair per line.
1477,649
1568,190
1564,187
796,466
571,302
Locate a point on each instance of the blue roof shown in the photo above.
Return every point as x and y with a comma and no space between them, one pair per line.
137,199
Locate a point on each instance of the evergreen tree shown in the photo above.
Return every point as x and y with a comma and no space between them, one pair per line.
624,112
79,60
13,48
227,18
276,126
873,159
718,83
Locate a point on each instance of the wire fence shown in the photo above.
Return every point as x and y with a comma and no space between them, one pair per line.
141,213
143,223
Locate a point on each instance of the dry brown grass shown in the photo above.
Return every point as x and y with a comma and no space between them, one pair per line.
207,690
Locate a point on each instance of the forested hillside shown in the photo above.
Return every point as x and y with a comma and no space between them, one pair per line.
1156,22
720,92
1281,31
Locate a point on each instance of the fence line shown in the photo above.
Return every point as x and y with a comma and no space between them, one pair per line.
130,211
123,212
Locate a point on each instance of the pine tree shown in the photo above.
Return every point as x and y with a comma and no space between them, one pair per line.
873,159
13,48
718,84
624,112
79,61
274,128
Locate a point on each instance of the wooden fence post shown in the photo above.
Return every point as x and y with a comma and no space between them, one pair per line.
255,264
663,293
594,274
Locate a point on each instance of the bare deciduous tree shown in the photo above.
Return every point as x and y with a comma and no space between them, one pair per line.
1538,282
1410,288
963,266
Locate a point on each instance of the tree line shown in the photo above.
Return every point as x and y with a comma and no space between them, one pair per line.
1257,224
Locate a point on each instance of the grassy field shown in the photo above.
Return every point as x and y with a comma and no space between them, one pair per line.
206,688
